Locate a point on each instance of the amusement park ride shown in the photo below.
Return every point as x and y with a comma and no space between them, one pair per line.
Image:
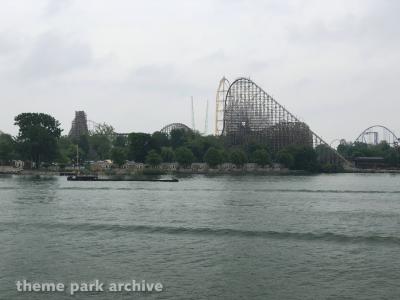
246,113
377,134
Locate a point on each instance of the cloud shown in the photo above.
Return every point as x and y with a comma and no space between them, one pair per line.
164,79
53,56
376,23
218,56
8,44
323,60
55,7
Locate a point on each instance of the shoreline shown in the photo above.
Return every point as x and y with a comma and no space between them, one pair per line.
19,172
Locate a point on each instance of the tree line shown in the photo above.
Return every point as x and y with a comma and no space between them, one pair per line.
391,155
40,140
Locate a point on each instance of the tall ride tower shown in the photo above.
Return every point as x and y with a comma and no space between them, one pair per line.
79,125
220,105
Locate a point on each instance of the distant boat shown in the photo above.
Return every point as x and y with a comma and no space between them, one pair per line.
96,178
82,178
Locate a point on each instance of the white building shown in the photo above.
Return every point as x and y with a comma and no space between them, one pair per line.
131,165
102,165
169,166
19,164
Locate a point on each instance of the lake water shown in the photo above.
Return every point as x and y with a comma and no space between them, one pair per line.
221,237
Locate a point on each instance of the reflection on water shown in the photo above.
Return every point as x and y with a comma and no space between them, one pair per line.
217,237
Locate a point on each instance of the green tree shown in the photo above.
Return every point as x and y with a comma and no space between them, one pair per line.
167,154
65,150
238,157
261,157
285,158
305,158
101,146
178,138
104,129
196,145
252,146
138,146
7,148
331,168
212,141
118,155
153,158
159,140
224,155
184,156
392,157
83,143
120,141
38,137
383,149
213,157
345,150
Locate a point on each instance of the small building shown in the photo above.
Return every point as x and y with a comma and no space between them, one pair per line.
250,167
227,167
266,168
29,164
199,167
169,166
54,167
375,162
131,165
19,164
101,165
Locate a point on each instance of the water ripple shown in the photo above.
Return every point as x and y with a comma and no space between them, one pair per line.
229,232
216,190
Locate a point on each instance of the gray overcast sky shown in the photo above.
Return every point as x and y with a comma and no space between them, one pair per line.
135,64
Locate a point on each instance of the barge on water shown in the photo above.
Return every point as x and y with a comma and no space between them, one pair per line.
96,178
